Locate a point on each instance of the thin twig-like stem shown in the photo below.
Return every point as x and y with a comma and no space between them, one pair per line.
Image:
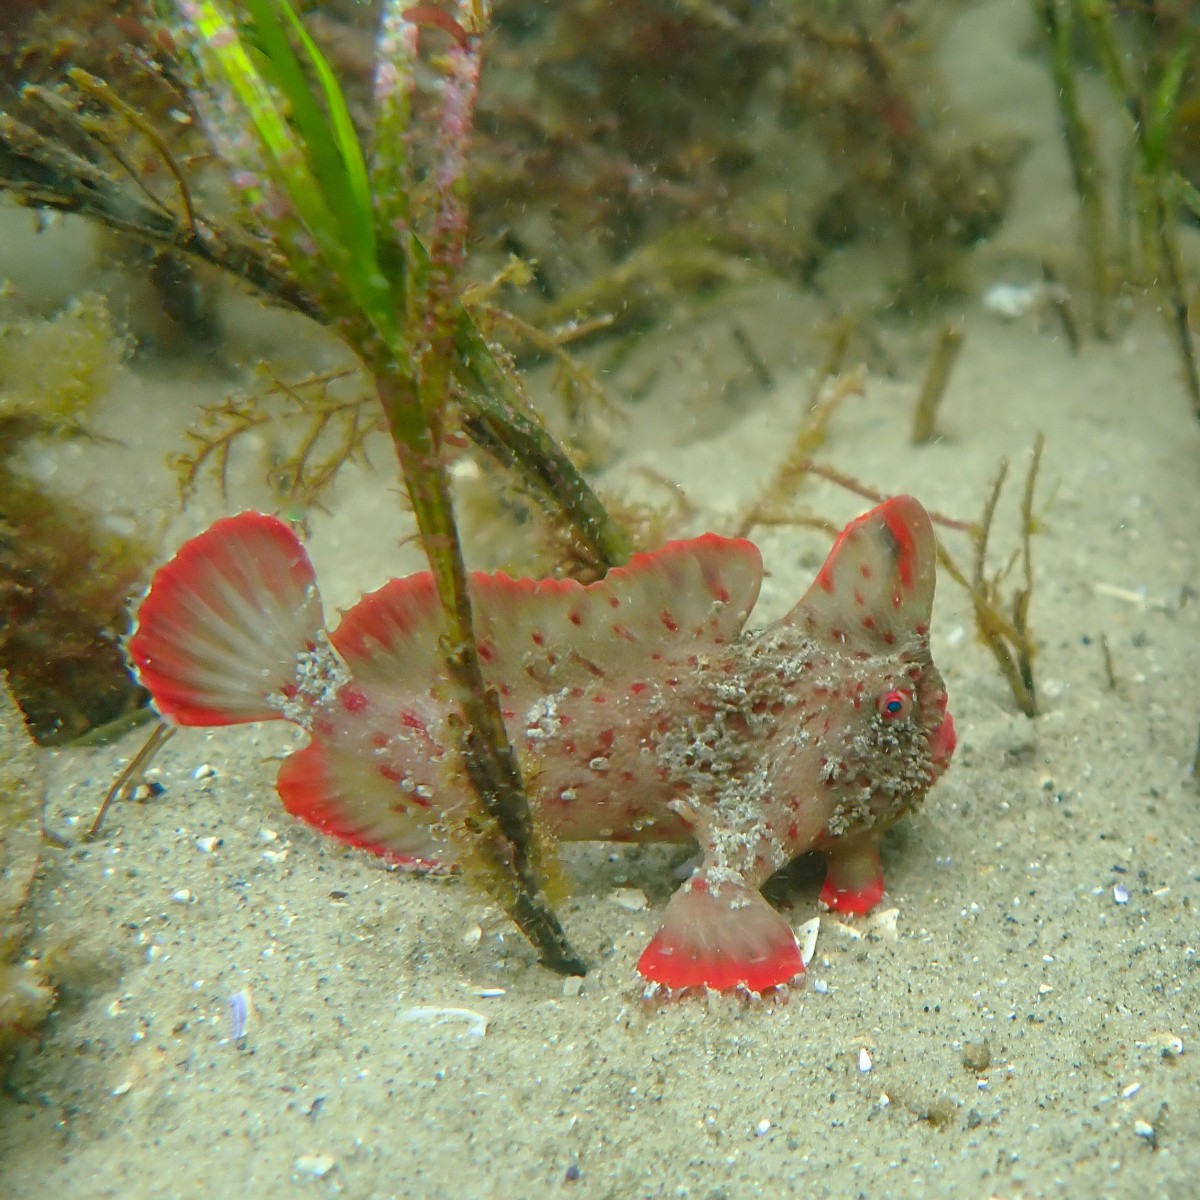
1007,636
126,781
876,497
98,88
505,839
933,386
1055,17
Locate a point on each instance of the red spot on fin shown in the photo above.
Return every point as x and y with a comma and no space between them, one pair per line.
906,545
410,720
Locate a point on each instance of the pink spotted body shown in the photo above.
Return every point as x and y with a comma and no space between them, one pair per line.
639,708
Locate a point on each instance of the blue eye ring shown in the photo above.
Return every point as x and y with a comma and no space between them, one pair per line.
895,704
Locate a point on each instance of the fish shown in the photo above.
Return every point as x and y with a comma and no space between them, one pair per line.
639,707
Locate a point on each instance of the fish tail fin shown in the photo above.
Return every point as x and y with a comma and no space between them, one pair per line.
723,936
220,635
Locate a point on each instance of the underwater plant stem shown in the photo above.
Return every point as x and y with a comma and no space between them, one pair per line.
1152,113
1158,218
498,422
1055,17
136,767
933,386
1007,636
503,834
41,174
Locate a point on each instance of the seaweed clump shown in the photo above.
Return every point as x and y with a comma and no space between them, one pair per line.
25,995
637,154
64,577
1147,53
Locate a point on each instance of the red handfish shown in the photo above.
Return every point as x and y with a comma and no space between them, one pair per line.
639,709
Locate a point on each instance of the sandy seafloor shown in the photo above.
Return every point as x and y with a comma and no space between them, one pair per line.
1006,925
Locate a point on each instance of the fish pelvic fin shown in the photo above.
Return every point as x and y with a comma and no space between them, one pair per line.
724,936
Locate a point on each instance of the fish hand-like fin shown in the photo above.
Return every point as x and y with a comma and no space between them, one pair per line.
722,936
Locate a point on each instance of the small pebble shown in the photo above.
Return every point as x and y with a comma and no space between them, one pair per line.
631,899
864,1060
806,936
762,1128
572,985
1131,1090
977,1056
316,1166
476,1023
1010,300
182,896
240,1008
883,925
122,1088
1145,1130
1120,895
206,845
205,771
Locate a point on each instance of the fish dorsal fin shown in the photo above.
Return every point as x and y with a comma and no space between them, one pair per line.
875,591
554,632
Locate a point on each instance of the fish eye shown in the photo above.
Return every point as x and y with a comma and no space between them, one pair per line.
894,704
